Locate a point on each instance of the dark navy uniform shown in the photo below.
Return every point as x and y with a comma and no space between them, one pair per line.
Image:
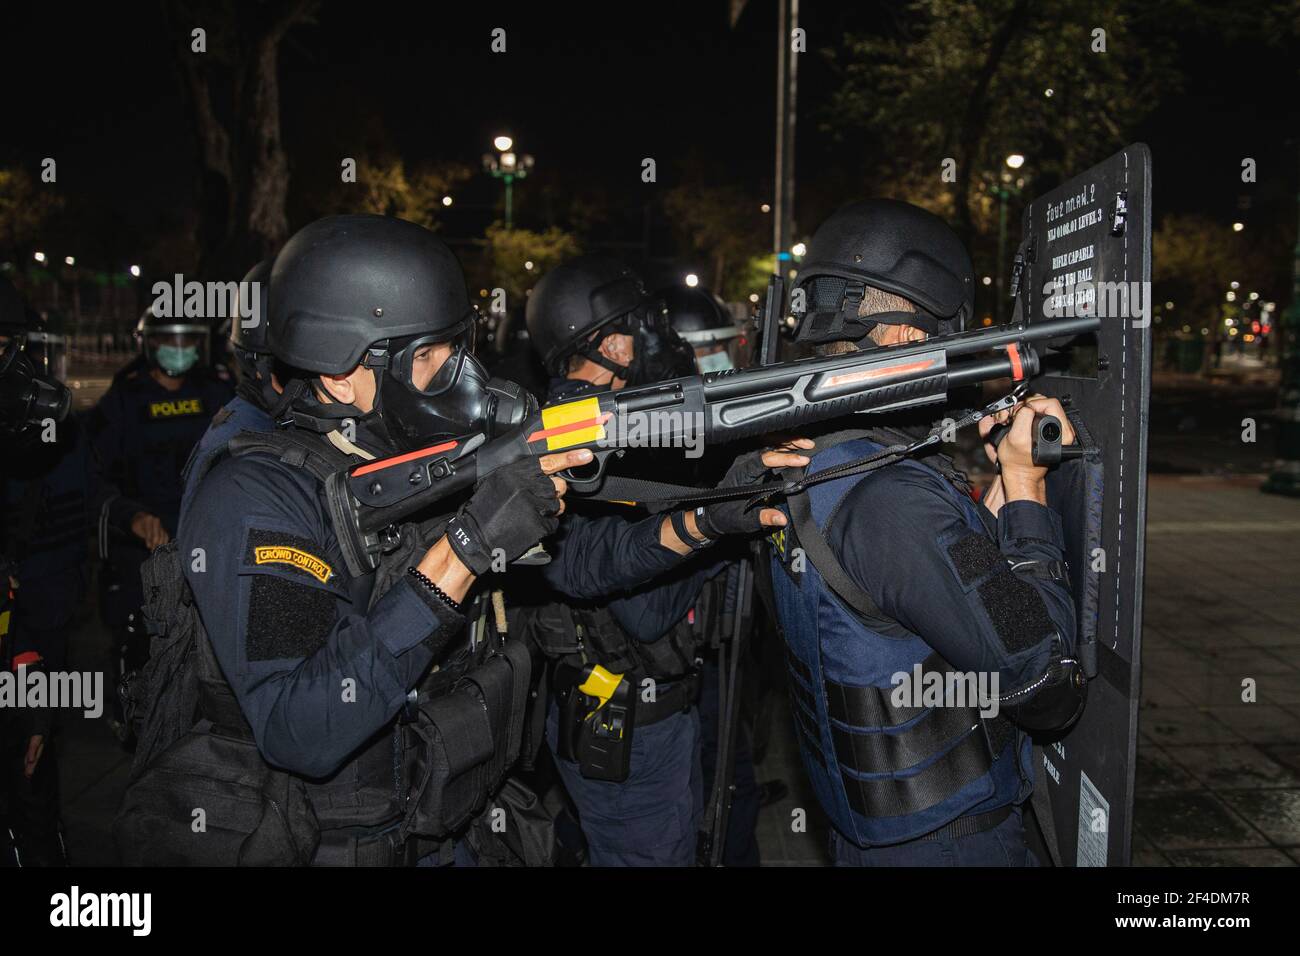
237,416
142,435
601,564
319,674
957,591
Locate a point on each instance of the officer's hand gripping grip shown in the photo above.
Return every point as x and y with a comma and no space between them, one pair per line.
1047,449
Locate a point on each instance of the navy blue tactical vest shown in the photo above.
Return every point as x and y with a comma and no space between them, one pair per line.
883,774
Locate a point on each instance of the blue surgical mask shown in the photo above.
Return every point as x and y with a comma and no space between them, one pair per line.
714,362
176,360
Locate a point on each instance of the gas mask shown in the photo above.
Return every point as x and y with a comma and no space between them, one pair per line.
26,396
460,400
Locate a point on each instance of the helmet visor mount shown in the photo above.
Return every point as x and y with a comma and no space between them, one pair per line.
833,305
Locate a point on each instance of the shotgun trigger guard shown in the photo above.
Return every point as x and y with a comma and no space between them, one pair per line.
589,479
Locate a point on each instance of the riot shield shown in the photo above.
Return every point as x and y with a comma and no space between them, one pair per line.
1086,250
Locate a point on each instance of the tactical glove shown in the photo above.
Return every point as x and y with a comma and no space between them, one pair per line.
510,511
732,516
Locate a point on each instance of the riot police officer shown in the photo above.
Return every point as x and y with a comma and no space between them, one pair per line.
45,485
915,576
142,431
385,719
626,588
702,322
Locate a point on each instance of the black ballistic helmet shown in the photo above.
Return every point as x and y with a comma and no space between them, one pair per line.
696,315
344,283
890,245
245,334
575,299
373,290
250,341
175,344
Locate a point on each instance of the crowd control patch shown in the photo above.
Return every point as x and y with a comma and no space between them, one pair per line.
283,554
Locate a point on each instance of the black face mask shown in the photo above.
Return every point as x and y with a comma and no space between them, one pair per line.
456,403
460,400
658,352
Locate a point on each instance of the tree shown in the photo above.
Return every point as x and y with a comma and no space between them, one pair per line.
234,88
1197,259
384,187
968,81
509,250
725,225
24,209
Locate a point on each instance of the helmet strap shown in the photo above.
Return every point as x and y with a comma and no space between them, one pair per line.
591,352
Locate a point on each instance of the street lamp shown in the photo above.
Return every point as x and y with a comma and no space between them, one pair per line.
1003,190
506,165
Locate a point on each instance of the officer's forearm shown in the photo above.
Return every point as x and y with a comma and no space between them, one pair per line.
1019,486
592,558
441,566
673,542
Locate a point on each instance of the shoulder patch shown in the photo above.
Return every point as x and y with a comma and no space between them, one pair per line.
975,555
273,547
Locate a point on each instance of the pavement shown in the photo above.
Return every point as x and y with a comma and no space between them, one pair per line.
1218,778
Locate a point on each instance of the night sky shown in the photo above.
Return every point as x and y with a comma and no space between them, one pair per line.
587,89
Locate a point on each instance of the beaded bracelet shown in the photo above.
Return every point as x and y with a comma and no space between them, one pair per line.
439,592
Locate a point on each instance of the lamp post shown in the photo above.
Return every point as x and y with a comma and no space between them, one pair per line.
1004,190
508,166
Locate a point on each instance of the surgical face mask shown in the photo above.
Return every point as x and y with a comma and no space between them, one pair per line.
714,362
176,360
